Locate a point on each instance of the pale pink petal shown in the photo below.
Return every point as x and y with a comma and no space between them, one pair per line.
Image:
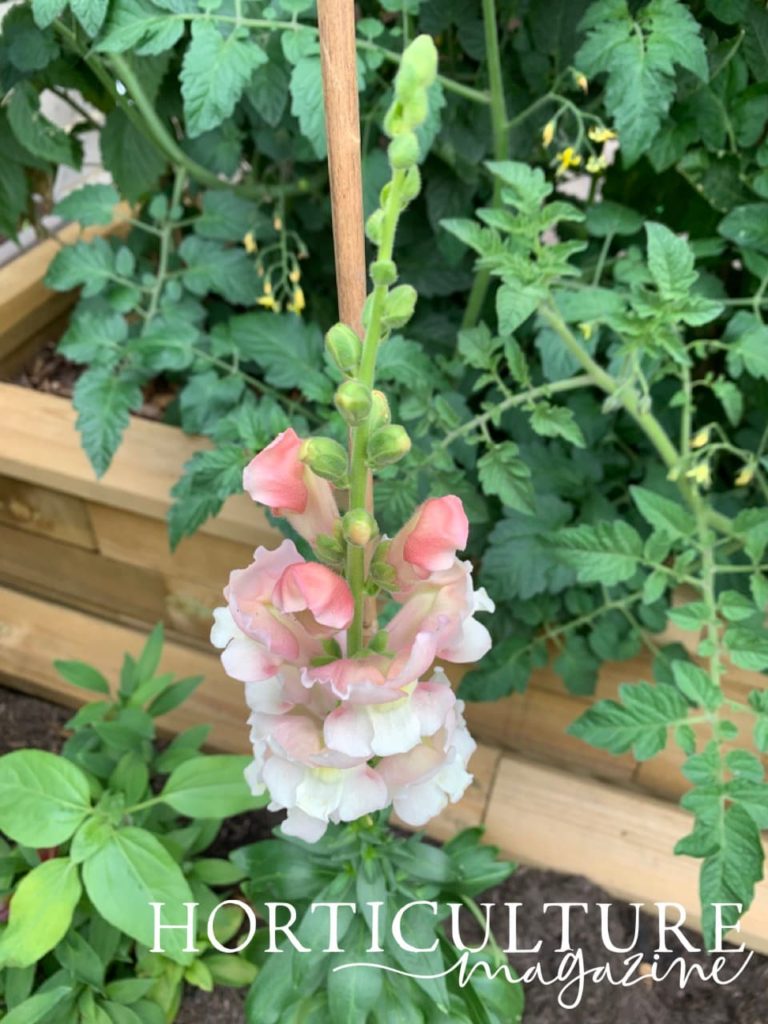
248,661
312,587
438,530
303,826
363,793
275,477
349,730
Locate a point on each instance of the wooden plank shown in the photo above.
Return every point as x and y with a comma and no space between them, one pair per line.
84,578
26,304
34,633
41,511
39,444
622,841
143,541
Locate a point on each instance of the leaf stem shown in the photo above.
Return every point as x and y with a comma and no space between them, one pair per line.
500,127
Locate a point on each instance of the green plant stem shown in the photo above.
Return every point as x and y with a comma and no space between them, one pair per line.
166,239
258,385
358,473
645,419
500,127
512,401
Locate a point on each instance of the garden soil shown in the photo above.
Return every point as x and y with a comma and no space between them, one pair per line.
28,721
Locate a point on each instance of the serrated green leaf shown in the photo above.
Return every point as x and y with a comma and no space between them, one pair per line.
747,647
556,421
209,478
606,553
103,402
36,133
670,261
268,91
91,204
639,55
514,304
662,513
696,684
214,73
138,26
639,720
86,264
210,267
90,14
130,156
503,472
306,88
747,226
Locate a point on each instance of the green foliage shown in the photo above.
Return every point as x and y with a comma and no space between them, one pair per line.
367,863
95,835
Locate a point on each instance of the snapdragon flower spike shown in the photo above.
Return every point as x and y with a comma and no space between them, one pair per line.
347,719
336,738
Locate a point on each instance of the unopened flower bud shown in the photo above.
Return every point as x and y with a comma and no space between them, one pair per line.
373,226
326,458
411,185
384,272
330,549
399,306
387,445
380,412
344,348
359,527
418,67
353,400
403,151
378,643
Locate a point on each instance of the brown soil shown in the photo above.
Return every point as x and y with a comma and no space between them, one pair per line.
49,372
28,721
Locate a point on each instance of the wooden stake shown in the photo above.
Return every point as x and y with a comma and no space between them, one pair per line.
342,117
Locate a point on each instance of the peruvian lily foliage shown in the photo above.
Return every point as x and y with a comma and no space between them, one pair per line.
338,736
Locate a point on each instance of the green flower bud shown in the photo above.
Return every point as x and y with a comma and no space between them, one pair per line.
326,458
344,348
380,414
378,643
359,527
387,445
403,151
418,65
373,226
330,550
384,272
399,306
411,185
353,400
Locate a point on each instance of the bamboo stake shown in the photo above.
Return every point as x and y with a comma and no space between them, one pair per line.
338,53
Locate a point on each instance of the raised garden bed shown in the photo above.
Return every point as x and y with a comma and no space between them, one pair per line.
85,567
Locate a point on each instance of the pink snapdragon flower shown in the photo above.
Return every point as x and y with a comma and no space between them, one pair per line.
278,479
338,736
279,610
429,541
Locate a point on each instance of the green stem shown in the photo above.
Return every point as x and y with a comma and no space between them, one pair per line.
358,474
645,419
512,401
166,238
501,131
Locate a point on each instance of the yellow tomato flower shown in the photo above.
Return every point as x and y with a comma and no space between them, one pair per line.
745,476
701,438
268,302
601,134
299,303
295,276
548,133
567,158
700,474
596,165
586,330
249,242
582,81
277,224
